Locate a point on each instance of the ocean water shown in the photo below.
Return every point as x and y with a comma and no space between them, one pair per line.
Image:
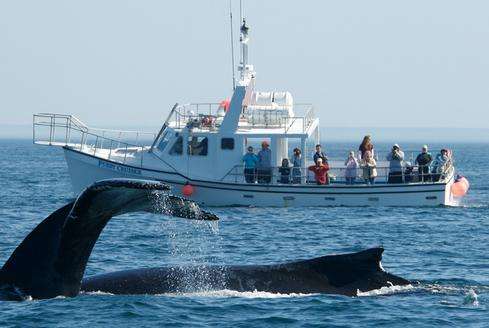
445,249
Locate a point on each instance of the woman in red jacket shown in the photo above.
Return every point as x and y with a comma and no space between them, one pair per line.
320,172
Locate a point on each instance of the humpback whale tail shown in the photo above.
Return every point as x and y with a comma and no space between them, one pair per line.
52,259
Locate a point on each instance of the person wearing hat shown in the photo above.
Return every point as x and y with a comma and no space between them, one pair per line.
423,160
320,172
250,160
264,167
396,159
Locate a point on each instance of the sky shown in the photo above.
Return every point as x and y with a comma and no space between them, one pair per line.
363,64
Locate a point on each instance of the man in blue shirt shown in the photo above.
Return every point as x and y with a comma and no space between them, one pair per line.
250,160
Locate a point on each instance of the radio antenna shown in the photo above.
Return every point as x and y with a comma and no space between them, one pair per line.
240,11
232,43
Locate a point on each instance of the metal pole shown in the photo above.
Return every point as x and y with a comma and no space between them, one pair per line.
232,44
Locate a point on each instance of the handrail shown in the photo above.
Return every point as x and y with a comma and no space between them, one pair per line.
63,129
337,174
185,114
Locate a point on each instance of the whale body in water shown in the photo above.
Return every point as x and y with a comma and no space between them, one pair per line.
52,259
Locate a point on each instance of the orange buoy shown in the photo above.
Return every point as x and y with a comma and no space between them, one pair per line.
460,186
187,190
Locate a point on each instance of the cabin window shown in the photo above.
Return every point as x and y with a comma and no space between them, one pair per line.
177,147
164,141
227,143
197,146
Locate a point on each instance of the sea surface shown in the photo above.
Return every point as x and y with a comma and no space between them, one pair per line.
445,249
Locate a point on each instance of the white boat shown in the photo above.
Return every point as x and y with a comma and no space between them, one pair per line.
199,150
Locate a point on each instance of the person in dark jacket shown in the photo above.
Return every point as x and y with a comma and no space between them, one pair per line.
284,171
396,162
296,163
319,154
423,160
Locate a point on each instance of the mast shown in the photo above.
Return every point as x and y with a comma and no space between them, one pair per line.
232,43
246,70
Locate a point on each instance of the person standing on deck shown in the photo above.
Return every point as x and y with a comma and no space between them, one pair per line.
296,163
440,164
369,166
284,171
396,159
366,146
423,160
264,167
351,164
320,172
250,161
319,154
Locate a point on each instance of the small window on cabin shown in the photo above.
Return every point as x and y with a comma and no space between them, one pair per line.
197,146
227,143
177,147
164,141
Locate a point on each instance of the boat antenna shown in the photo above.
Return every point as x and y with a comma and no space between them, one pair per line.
240,11
240,22
232,43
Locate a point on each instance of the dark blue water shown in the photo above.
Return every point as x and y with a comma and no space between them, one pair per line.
445,248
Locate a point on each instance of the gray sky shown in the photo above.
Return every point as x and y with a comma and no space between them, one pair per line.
362,63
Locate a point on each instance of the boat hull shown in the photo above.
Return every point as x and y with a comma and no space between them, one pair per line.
85,169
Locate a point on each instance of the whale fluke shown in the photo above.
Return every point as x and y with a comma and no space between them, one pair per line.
52,259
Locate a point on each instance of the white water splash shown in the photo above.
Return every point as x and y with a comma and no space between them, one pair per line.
98,293
471,298
386,291
224,293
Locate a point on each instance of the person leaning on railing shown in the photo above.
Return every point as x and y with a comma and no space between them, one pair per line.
320,172
423,160
250,160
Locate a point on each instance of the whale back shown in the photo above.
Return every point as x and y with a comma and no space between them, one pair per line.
344,274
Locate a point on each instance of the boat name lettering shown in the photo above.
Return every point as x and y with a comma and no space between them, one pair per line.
118,168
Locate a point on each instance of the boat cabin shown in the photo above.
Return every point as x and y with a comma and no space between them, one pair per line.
206,141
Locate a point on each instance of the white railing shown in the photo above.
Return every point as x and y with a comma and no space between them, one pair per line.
67,130
207,116
202,115
271,118
337,175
